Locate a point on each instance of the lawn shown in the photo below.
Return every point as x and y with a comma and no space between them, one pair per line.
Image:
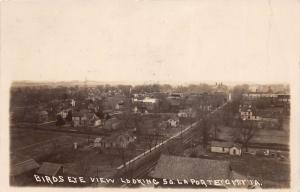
266,170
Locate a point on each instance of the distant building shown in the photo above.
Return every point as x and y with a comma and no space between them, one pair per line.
115,141
187,113
175,95
261,95
247,113
226,147
229,97
73,103
63,113
283,98
85,119
173,122
97,142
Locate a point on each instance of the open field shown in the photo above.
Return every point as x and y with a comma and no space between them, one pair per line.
263,136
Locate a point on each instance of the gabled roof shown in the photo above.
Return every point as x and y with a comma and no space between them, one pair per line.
175,167
222,144
49,169
98,139
23,167
77,114
43,113
174,102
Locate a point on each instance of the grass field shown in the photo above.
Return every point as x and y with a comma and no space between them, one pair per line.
261,135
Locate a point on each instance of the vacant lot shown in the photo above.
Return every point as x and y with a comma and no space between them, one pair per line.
21,138
268,171
261,135
40,144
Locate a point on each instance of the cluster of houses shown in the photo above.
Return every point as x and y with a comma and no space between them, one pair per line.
260,118
114,141
144,104
280,97
226,147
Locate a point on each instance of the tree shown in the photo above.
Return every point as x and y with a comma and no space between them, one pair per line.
238,90
247,130
122,153
205,132
69,116
59,120
83,165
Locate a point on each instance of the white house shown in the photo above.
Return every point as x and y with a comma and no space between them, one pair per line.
63,114
182,114
189,112
174,122
97,142
135,109
247,113
73,103
226,147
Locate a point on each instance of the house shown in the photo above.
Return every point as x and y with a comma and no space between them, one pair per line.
185,113
85,119
285,98
73,103
116,141
63,114
259,95
205,107
93,107
182,114
76,119
226,147
92,119
247,112
112,124
173,122
176,95
135,109
50,169
97,142
120,105
179,168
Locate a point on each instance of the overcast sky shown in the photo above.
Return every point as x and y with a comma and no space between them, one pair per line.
151,40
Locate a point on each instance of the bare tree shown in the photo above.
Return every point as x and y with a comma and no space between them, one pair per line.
149,140
247,130
122,154
83,165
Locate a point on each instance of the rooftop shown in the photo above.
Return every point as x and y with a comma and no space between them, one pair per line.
49,169
23,167
176,167
224,144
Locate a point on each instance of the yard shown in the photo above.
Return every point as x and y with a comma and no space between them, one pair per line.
262,136
270,171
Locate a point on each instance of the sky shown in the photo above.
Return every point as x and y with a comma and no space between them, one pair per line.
150,40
